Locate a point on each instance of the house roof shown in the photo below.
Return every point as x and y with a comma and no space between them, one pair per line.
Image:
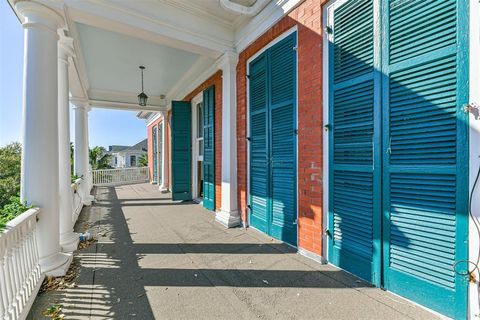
116,148
140,146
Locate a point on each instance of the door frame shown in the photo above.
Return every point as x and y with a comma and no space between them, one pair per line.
195,100
247,114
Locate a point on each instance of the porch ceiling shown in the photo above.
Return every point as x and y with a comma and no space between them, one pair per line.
111,63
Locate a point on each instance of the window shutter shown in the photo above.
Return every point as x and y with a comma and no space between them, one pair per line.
209,148
181,150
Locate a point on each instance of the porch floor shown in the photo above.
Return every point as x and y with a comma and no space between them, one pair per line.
157,259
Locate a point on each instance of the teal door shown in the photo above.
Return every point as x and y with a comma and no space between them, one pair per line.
181,150
272,136
155,154
209,148
354,155
426,152
399,218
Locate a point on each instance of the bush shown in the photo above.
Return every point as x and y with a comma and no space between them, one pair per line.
10,161
12,209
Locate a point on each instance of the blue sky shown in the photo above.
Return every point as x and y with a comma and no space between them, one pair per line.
106,127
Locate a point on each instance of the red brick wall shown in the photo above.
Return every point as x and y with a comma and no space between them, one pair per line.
150,146
307,18
215,80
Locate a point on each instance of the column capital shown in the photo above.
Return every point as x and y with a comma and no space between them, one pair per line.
228,59
80,103
37,15
65,46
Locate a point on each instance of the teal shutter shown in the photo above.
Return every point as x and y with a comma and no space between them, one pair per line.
272,136
426,152
155,155
160,152
355,172
282,120
181,150
259,162
209,148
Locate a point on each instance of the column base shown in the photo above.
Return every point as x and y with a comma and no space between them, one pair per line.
56,265
163,189
69,241
229,219
88,200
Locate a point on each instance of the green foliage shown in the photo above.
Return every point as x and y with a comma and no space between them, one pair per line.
10,162
99,158
143,160
12,209
74,177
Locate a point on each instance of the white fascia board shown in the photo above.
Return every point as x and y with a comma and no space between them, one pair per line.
254,28
192,79
200,38
103,104
154,117
124,97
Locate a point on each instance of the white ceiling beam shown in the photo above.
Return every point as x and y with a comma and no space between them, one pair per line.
103,104
212,41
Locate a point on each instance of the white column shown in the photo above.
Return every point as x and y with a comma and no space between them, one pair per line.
229,215
68,239
40,176
81,163
164,185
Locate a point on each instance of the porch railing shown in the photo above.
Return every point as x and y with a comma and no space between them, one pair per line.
111,177
20,274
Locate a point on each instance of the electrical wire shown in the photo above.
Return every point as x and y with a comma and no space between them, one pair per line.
477,227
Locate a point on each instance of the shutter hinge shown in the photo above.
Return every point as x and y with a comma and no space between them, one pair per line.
472,108
248,138
328,30
327,127
247,76
295,131
326,232
295,48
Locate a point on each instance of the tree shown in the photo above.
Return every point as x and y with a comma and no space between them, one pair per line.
10,164
99,158
143,160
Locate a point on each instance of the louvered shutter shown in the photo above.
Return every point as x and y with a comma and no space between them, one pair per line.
259,162
425,155
209,148
355,170
181,150
160,152
282,70
154,154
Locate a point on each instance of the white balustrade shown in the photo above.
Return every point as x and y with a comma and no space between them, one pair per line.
77,200
111,177
20,275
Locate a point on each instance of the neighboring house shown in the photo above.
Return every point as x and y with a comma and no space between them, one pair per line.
127,156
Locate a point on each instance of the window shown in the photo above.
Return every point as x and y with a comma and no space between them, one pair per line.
133,161
200,131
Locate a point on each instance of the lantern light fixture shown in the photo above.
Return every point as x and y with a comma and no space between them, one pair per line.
142,97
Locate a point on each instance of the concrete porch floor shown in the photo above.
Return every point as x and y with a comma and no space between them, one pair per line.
156,259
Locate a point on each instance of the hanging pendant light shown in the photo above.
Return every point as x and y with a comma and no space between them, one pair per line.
142,97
